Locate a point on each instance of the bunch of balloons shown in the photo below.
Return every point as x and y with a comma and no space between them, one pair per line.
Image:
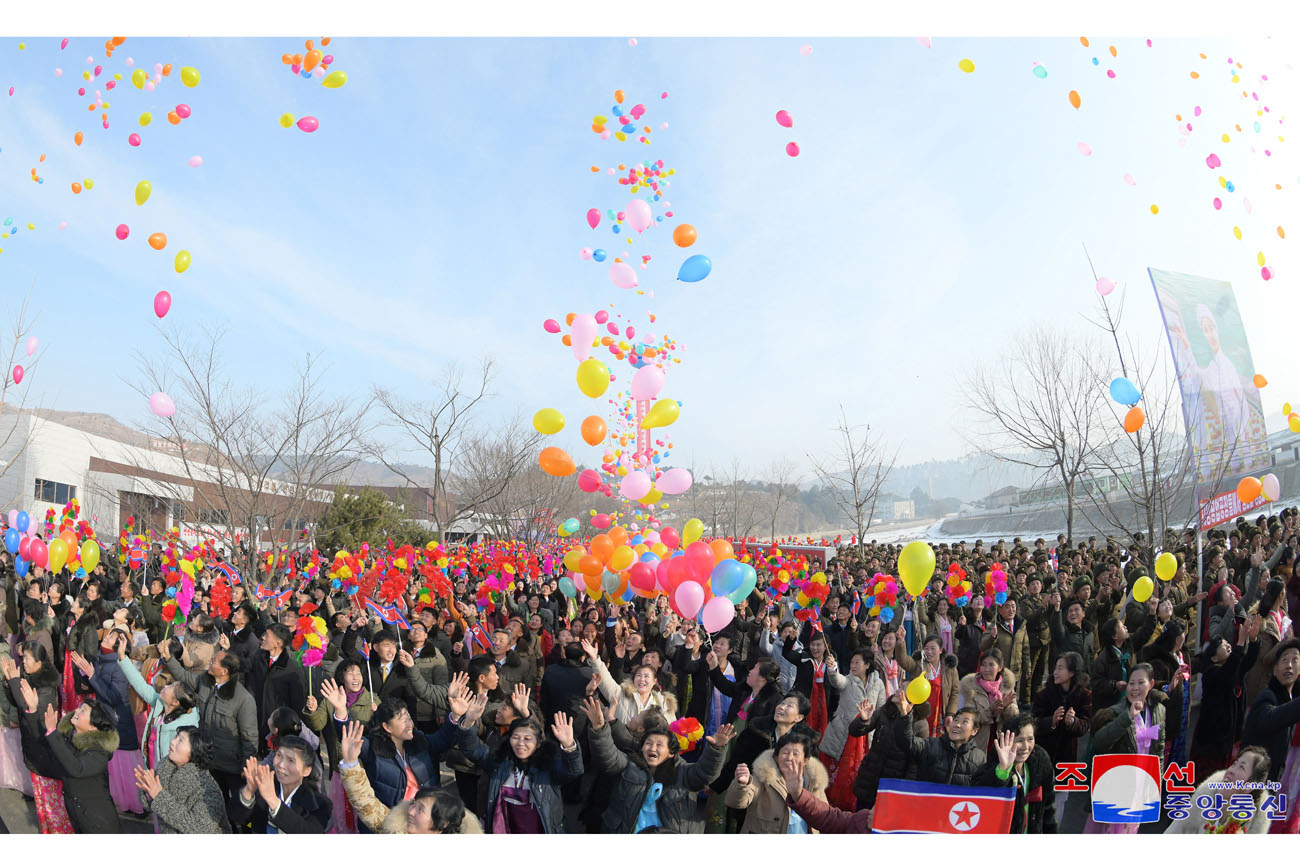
1124,392
958,587
995,586
313,62
882,594
622,123
1249,489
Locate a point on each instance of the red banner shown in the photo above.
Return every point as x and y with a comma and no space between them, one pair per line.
1225,507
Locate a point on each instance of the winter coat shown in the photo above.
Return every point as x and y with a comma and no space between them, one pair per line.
198,650
937,760
245,645
1040,798
83,639
79,759
1223,707
9,711
281,684
1067,638
550,768
514,670
111,687
1195,821
46,684
948,685
1013,643
157,715
1061,740
1257,675
679,806
308,812
1271,723
431,668
852,692
190,801
624,698
758,736
1108,669
971,694
422,755
379,817
43,633
1113,732
885,760
764,797
967,639
1168,679
151,611
564,688
227,713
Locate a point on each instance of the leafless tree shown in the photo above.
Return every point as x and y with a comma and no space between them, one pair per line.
239,461
497,472
16,433
854,473
783,479
1041,407
740,503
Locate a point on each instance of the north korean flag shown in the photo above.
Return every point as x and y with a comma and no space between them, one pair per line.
904,806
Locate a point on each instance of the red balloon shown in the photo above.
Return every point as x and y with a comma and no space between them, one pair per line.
40,554
700,558
641,576
661,576
670,538
25,547
678,571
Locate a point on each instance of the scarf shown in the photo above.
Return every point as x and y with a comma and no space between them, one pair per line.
891,677
1145,731
353,696
992,689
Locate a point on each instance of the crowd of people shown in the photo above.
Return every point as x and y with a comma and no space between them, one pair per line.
550,714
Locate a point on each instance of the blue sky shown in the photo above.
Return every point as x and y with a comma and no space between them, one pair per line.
931,218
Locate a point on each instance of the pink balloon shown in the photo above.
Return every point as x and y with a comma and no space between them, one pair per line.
196,161
661,575
1129,179
806,50
63,43
551,326
133,139
162,302
718,614
675,481
639,216
40,555
161,405
18,374
792,149
1245,202
689,598
1105,286
183,111
1085,148
652,538
308,124
622,275
32,343
636,484
585,254
924,40
13,521
647,382
783,117
122,231
581,334
669,537
637,111
25,546
601,521
589,481
1272,487
1213,160
602,316
593,217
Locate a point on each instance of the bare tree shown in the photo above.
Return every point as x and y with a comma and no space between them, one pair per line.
854,474
784,479
740,511
1041,408
15,434
238,462
497,472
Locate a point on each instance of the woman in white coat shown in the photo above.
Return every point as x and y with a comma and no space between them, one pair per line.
842,754
632,698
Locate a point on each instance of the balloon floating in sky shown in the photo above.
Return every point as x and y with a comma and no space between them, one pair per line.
157,240
783,117
122,231
806,50
190,76
1085,148
695,269
32,343
196,161
143,190
1105,286
1124,392
18,374
162,302
335,79
286,120
792,149
161,405
182,262
308,124
1074,98
1040,72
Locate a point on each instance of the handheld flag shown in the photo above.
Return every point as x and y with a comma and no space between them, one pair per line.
904,806
389,614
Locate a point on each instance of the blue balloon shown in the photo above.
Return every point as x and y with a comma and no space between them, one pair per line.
650,558
695,269
598,255
1124,392
567,588
726,577
24,522
12,538
748,580
20,567
1230,187
629,127
616,229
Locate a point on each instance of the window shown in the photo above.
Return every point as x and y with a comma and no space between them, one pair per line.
178,512
52,491
211,516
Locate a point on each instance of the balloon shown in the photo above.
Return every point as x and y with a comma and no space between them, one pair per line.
21,566
571,525
143,190
635,485
1166,566
689,596
161,405
589,481
122,231
783,117
12,539
13,517
1124,392
642,576
622,275
1259,381
548,421
662,414
133,139
593,377
89,554
58,554
717,614
162,302
700,560
138,78
40,554
685,235
669,537
1248,489
556,461
918,690
916,566
722,549
308,124
639,216
1134,419
567,588
1272,487
692,531
622,558
674,481
1105,286
573,558
593,217
1074,98
335,79
189,76
182,262
157,240
286,120
593,429
22,521
792,148
1142,588
581,333
18,374
609,582
601,521
695,269
591,566
647,382
726,577
32,343
748,580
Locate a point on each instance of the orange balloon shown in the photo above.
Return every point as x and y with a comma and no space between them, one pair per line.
325,41
722,549
593,429
566,340
309,62
1074,98
157,240
569,318
1248,489
619,96
684,235
1260,381
78,138
173,118
167,69
556,461
286,59
618,535
1134,420
601,547
76,188
118,40
310,44
591,566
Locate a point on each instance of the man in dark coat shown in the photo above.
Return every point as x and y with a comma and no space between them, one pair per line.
950,760
275,679
1273,717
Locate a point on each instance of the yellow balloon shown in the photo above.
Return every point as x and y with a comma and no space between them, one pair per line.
189,76
146,119
660,550
58,554
593,377
182,262
661,414
286,120
573,558
621,558
1142,589
335,79
548,421
652,497
916,566
89,554
143,190
918,690
138,78
1294,423
1166,566
692,531
1286,408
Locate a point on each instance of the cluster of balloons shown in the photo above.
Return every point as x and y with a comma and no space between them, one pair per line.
62,550
584,336
882,594
1124,392
306,124
312,62
1292,418
1250,489
622,123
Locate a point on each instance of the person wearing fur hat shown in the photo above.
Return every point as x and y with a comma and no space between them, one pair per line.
761,791
74,750
525,774
1011,636
1134,725
1251,766
991,693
